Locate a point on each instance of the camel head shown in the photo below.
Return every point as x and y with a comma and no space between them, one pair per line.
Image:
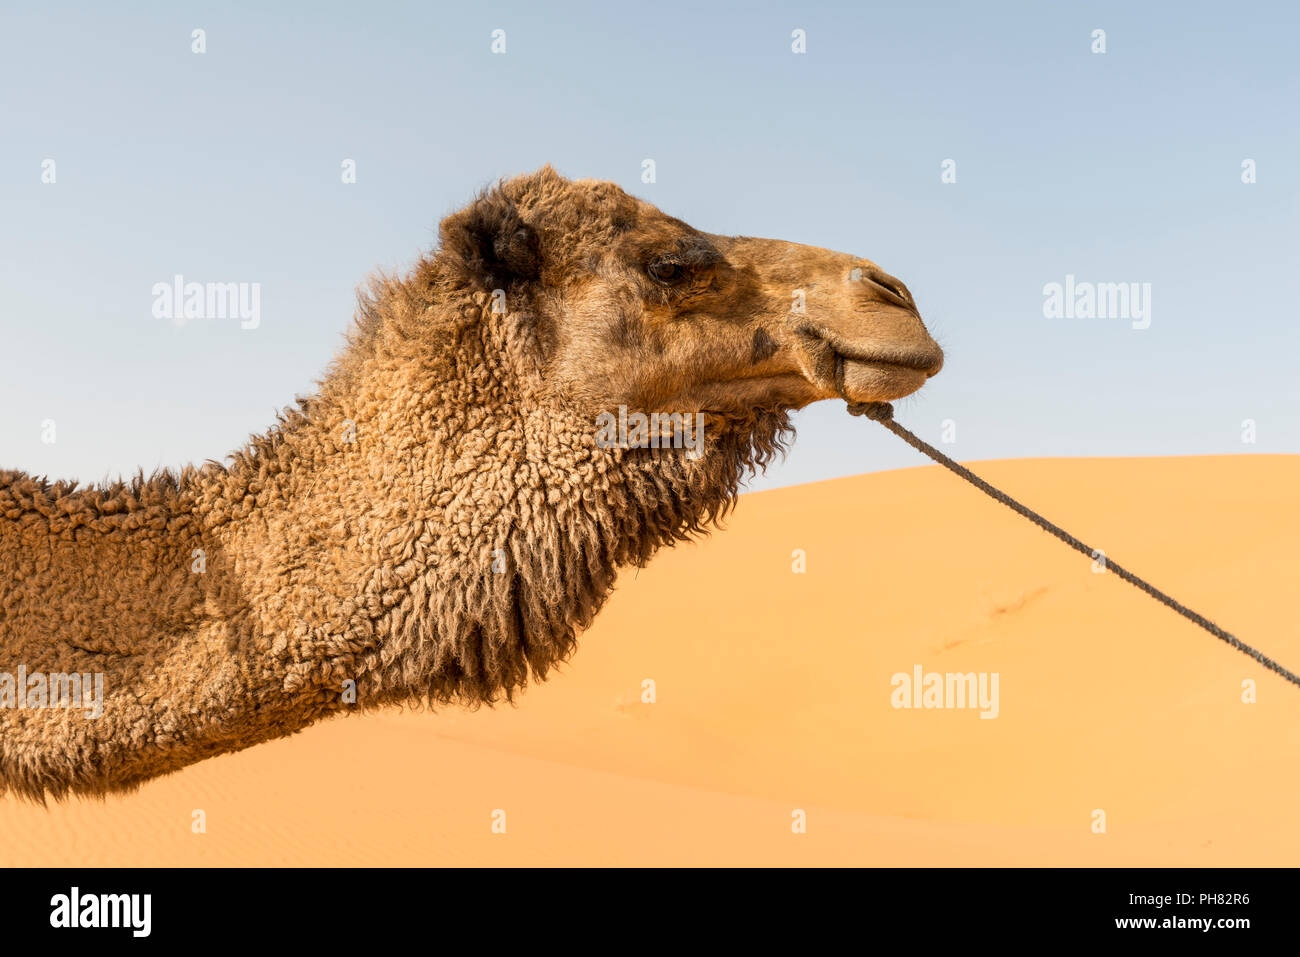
618,304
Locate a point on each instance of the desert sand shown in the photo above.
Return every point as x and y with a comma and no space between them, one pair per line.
772,695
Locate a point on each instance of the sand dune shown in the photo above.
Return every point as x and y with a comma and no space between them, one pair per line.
773,693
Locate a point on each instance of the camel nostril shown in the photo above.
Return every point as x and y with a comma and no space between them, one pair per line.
896,288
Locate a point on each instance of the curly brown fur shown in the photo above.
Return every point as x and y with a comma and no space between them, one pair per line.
439,522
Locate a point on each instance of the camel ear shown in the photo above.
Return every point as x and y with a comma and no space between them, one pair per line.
489,246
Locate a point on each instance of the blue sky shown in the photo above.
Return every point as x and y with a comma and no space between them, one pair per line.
1117,167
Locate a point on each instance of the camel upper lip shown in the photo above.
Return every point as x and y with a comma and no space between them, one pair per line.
912,362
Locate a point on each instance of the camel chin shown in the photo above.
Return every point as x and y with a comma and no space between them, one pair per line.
874,381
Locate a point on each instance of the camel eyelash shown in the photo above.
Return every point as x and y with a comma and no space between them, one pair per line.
669,272
684,270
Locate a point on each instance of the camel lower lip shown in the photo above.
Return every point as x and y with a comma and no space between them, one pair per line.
862,380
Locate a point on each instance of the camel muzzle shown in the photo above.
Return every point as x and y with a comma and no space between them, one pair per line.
869,372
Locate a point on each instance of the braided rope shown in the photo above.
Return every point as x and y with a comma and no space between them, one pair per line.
883,413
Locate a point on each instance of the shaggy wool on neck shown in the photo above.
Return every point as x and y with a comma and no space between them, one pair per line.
516,521
430,526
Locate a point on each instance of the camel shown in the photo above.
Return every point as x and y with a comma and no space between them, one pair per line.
438,523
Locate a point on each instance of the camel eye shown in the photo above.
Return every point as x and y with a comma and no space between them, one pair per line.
667,273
